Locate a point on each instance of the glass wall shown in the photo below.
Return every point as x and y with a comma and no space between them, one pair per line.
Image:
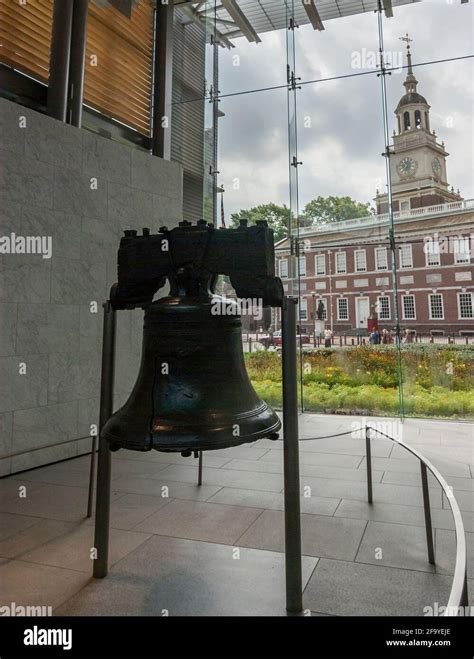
355,144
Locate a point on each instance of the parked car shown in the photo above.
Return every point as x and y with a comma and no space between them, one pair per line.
276,342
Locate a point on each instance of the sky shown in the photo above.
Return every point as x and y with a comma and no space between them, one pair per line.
340,130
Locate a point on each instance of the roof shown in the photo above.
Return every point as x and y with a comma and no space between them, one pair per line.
412,97
237,18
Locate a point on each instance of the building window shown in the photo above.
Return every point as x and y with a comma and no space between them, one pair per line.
381,262
303,309
432,253
360,257
406,121
320,264
436,307
283,268
461,250
465,305
383,307
342,308
417,119
409,311
406,257
405,206
341,264
302,266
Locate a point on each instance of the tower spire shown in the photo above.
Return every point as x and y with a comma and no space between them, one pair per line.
410,81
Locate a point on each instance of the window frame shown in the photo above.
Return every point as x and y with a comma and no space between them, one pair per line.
341,272
456,252
400,259
303,312
316,257
428,252
471,294
302,262
404,316
280,262
377,251
346,300
364,252
385,297
430,306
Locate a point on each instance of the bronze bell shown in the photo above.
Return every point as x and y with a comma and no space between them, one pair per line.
193,391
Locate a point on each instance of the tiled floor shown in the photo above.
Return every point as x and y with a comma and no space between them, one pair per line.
180,549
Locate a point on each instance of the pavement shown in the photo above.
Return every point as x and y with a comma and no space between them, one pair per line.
177,548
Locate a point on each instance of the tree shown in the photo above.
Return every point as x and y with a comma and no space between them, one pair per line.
325,210
276,216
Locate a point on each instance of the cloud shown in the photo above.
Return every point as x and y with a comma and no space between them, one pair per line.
340,130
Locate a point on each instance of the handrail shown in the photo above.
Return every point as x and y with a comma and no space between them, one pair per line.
458,596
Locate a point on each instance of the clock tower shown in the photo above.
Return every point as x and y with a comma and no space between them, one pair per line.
417,159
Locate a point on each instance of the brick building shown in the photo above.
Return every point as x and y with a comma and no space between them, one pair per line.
348,265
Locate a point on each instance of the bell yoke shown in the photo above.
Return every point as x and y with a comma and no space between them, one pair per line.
193,392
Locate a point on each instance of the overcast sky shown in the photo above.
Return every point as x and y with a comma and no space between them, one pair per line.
340,123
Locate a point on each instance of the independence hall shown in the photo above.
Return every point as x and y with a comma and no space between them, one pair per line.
348,265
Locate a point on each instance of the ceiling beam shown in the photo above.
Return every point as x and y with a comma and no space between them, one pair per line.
313,15
241,20
387,5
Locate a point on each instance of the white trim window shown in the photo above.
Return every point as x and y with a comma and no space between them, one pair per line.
465,305
302,266
360,260
383,306
304,309
408,307
283,268
406,257
320,264
436,306
461,250
342,308
433,255
341,263
381,261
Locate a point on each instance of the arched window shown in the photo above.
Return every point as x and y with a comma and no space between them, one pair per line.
417,119
406,121
427,121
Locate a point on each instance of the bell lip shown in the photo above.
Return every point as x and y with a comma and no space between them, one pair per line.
178,443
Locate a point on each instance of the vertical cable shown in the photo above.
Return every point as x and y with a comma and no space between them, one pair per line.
383,73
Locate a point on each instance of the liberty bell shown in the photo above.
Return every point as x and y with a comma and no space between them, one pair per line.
193,392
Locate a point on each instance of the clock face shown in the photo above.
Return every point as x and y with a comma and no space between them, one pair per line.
407,167
436,166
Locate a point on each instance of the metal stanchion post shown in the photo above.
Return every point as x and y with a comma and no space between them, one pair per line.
426,505
294,589
92,475
102,515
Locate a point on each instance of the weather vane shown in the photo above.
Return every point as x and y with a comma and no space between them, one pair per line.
407,39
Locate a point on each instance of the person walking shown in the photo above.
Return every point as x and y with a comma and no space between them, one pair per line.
327,338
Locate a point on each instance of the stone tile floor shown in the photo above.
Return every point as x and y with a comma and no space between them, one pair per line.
180,549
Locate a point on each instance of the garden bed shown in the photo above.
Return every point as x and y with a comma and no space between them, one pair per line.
438,381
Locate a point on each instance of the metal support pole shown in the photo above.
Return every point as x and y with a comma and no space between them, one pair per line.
59,59
200,469
102,514
368,459
162,80
294,589
426,505
92,476
76,61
